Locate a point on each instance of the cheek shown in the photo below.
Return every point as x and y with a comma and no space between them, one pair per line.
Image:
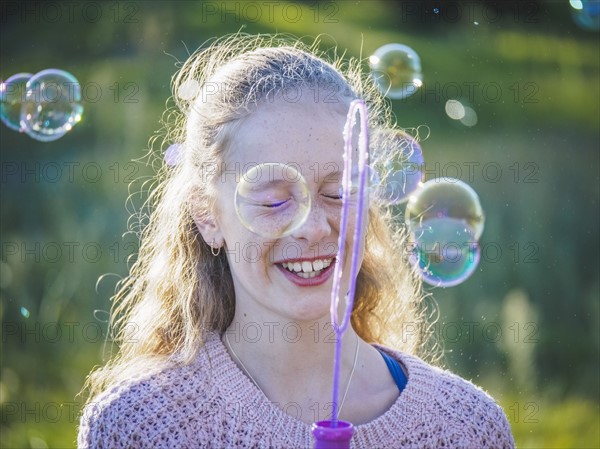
246,250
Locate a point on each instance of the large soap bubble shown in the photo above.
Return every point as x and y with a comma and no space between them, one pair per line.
444,251
445,220
401,173
445,198
52,105
396,70
272,199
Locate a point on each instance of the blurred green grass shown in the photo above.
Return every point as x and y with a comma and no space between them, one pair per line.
543,423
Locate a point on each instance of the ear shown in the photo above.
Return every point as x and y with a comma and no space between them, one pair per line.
210,231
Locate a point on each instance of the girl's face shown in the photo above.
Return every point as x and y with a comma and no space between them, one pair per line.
287,278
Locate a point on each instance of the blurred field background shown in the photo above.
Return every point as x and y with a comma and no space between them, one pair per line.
525,326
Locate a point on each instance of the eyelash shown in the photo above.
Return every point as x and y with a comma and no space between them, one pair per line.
353,191
274,205
281,203
333,197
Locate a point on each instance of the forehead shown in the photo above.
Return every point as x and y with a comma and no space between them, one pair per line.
306,134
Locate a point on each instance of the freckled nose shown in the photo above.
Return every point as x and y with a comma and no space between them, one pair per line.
315,228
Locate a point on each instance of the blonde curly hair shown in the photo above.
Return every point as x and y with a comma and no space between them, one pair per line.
177,291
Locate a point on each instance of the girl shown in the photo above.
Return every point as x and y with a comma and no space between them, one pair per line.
226,338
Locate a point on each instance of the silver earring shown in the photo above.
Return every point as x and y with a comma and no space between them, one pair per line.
212,249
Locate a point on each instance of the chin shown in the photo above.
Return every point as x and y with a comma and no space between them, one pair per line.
309,311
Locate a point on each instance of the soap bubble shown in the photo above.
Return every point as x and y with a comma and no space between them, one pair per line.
272,200
457,110
188,90
25,312
403,162
445,251
173,154
586,14
52,105
470,117
12,95
396,70
454,109
445,198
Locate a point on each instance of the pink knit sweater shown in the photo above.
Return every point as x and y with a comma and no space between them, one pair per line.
211,403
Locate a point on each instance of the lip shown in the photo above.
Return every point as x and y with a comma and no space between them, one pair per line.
309,259
310,282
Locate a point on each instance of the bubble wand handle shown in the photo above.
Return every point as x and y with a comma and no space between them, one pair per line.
334,433
357,106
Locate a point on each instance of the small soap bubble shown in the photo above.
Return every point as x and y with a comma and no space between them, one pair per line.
455,109
188,90
470,117
173,154
458,110
403,162
443,198
12,95
396,70
586,14
52,105
445,251
272,199
103,316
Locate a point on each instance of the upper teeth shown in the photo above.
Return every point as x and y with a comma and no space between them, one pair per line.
307,266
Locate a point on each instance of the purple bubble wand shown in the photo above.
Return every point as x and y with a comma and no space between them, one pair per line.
335,433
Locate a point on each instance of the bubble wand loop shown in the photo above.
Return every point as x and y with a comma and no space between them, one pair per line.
363,145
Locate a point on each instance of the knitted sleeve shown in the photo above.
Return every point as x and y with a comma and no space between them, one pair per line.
109,422
495,430
474,419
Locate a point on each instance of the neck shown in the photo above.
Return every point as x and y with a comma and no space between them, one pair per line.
291,361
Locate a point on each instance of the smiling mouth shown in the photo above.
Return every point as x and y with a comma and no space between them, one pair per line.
308,269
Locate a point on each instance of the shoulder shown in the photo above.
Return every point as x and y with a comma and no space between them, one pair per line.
147,409
459,407
443,385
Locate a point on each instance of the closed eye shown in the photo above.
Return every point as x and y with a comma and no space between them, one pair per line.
275,204
340,195
334,197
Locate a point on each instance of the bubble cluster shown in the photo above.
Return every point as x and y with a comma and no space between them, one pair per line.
445,220
272,200
45,106
444,216
396,70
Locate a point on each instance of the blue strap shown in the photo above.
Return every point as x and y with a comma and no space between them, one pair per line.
395,370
